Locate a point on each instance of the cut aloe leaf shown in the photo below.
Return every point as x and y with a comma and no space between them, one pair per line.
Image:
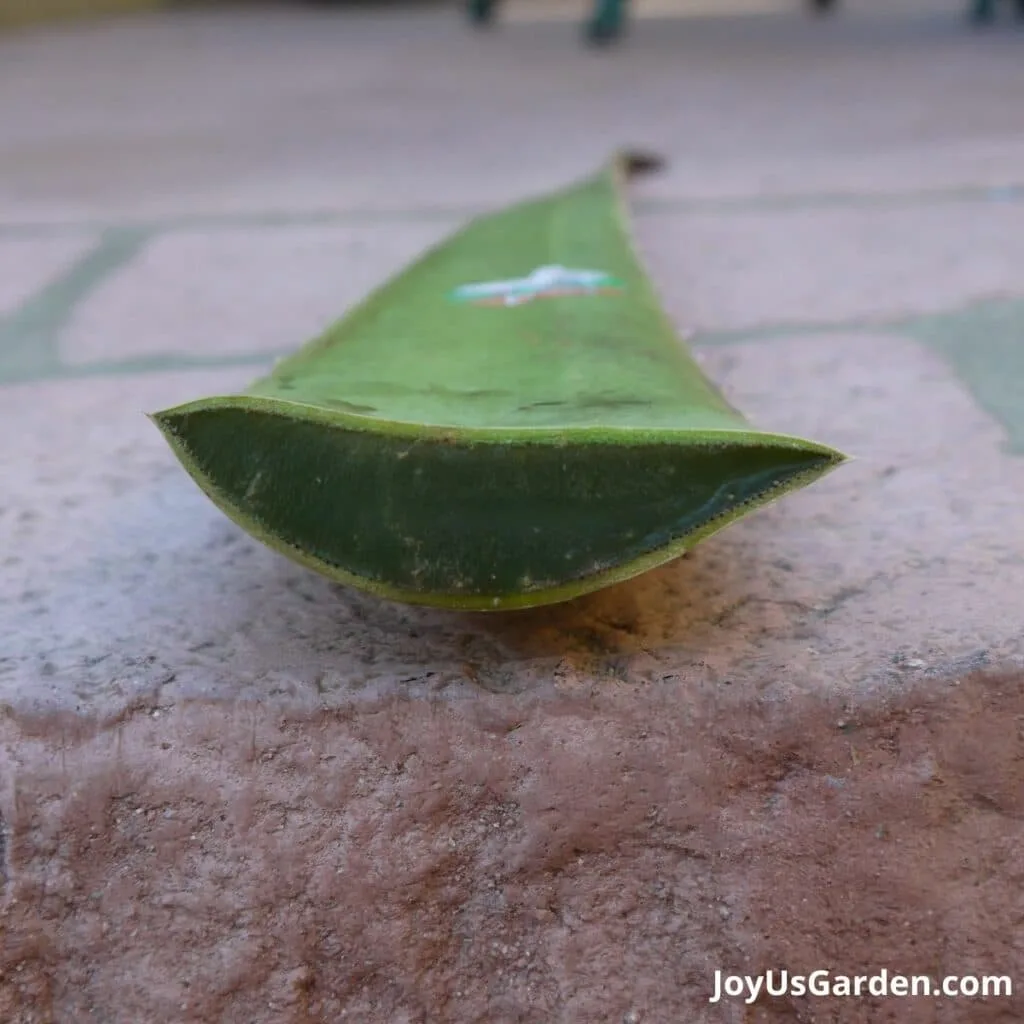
509,422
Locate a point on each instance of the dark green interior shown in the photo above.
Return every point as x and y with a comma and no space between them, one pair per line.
470,518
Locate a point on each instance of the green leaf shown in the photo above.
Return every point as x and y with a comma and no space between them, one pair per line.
509,422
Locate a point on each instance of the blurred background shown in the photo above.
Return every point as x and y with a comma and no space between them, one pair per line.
304,105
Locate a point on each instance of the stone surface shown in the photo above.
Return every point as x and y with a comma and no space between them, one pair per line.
28,264
593,857
575,814
743,268
238,291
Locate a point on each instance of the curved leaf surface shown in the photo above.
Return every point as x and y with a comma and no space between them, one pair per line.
511,421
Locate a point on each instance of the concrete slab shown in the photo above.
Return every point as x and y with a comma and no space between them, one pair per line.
739,270
322,804
238,291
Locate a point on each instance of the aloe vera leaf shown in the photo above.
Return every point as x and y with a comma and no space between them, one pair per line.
509,422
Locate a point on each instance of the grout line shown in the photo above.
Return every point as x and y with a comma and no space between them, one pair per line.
30,336
641,208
